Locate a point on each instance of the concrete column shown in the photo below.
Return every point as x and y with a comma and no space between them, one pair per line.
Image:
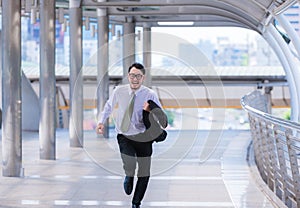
11,89
128,46
47,127
76,79
102,78
147,54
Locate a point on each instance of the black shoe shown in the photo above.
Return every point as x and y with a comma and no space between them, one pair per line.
128,185
135,206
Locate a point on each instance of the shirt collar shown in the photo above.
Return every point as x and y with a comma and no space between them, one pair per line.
135,92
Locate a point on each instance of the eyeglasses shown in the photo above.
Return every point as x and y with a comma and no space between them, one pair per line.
137,76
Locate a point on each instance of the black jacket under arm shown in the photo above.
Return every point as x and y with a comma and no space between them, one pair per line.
155,121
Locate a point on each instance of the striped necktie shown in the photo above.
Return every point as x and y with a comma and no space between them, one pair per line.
128,114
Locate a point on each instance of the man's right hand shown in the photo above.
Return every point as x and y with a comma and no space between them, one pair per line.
100,128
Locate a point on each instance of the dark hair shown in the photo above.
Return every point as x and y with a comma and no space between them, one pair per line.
137,66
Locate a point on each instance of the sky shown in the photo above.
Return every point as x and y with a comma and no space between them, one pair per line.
194,34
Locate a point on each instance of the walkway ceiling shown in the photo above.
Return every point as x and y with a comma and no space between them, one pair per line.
251,14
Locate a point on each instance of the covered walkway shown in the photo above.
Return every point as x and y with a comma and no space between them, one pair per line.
58,168
91,176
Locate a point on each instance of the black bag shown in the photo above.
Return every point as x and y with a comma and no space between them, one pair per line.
155,121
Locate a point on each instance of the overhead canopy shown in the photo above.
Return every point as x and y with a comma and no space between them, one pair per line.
251,14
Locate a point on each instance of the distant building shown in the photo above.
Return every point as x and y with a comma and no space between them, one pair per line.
293,15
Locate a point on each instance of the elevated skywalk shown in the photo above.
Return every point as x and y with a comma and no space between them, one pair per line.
92,176
81,177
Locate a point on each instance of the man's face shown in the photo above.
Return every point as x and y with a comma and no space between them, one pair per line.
135,78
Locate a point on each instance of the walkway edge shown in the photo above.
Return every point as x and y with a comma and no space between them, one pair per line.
259,181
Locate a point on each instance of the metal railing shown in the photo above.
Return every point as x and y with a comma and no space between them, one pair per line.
276,145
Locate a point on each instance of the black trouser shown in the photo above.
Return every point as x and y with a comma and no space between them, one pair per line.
133,152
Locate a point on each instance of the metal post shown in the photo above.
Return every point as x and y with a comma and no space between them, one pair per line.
283,170
128,46
268,97
76,79
102,78
147,54
293,163
11,89
47,128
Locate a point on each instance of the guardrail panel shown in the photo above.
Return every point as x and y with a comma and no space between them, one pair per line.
276,145
291,142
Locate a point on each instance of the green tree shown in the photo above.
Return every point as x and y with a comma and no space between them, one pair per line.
171,117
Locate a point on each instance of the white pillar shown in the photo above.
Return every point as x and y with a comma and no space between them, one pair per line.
295,40
284,54
11,89
47,127
76,79
128,46
290,31
102,65
147,54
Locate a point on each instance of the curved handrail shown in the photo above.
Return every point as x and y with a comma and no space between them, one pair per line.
261,114
276,145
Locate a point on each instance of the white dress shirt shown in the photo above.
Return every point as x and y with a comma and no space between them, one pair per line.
119,101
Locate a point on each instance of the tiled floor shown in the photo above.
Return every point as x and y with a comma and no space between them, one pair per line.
190,169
